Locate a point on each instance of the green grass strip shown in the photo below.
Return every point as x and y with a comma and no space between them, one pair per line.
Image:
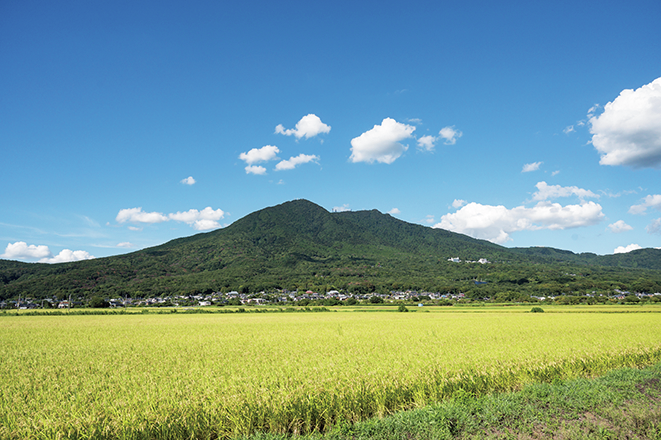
624,403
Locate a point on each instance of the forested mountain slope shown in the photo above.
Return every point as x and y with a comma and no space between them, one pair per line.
299,244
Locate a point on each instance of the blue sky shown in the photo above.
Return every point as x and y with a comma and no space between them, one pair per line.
124,125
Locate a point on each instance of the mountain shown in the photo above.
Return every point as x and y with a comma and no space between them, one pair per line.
641,258
298,244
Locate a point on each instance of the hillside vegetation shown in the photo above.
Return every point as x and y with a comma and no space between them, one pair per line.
300,245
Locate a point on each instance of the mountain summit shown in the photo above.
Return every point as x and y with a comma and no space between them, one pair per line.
300,244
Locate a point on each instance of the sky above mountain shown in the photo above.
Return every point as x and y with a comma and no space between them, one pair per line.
126,124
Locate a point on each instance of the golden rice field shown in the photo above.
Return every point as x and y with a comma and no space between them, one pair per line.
210,376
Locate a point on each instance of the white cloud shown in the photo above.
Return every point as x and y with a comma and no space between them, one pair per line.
293,162
200,220
137,215
458,203
256,155
206,225
568,129
546,191
654,227
255,169
427,143
343,208
592,110
309,126
531,167
619,226
618,194
188,181
125,244
450,135
625,249
429,219
628,132
134,228
21,250
67,255
651,201
381,143
394,211
496,223
555,173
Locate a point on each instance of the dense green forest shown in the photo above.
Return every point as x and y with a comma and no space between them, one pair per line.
299,245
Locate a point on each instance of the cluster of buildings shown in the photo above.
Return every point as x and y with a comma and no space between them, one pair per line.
230,298
458,260
276,297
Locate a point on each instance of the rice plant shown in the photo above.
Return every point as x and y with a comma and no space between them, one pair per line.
217,376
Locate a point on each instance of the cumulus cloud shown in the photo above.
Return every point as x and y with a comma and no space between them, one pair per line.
427,143
619,226
293,162
343,208
531,167
458,203
67,255
200,220
651,201
188,181
125,244
394,211
450,135
255,169
381,143
496,223
568,129
137,215
256,155
625,249
628,131
21,251
309,126
546,191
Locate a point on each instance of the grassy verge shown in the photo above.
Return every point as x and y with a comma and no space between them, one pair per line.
623,404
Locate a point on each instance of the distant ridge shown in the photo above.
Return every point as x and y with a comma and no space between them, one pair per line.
299,243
